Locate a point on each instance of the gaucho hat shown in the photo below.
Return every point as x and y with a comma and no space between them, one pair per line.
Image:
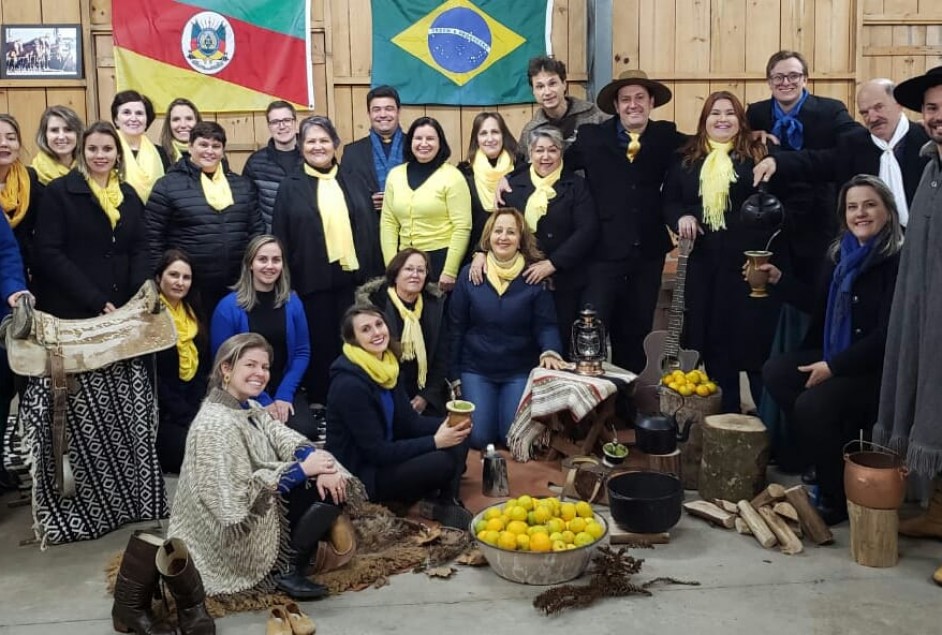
659,92
911,92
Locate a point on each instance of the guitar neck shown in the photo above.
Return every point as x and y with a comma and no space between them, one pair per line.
675,322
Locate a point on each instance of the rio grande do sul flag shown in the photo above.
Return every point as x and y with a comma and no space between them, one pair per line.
224,55
459,52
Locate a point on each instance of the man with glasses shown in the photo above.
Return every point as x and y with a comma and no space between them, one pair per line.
269,165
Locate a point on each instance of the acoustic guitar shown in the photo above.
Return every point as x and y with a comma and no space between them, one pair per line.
662,348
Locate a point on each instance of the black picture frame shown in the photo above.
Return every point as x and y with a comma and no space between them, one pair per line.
41,51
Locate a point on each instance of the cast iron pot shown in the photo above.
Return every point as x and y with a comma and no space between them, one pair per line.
659,434
645,502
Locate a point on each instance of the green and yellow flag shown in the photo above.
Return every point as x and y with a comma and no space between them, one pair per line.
458,52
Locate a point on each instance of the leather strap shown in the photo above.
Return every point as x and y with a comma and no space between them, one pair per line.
60,404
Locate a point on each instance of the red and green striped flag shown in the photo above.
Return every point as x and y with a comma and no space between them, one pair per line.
224,55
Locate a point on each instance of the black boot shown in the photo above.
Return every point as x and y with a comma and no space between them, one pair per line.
186,586
134,588
314,525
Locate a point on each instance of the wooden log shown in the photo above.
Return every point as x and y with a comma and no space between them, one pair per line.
696,409
795,526
786,510
742,526
773,493
711,513
618,536
873,535
666,463
811,522
788,541
729,506
735,457
757,525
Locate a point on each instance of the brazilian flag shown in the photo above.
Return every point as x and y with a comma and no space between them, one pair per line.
458,52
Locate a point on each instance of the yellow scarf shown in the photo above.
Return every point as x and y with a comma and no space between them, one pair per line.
384,371
14,197
48,168
109,197
412,339
216,189
338,234
715,176
539,200
487,176
187,328
179,148
142,171
501,274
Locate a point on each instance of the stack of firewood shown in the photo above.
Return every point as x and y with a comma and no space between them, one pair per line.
775,517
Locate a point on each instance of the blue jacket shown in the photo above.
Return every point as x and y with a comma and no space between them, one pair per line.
500,336
11,267
230,319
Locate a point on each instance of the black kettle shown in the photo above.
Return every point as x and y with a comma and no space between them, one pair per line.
762,210
660,434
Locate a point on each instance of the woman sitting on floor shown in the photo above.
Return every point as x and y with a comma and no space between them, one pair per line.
400,455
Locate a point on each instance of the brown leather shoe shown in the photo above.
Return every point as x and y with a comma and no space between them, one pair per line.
134,588
928,525
278,622
186,586
301,624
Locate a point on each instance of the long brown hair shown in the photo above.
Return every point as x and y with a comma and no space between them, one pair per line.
744,146
531,253
510,144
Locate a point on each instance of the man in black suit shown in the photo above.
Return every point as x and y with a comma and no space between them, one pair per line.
625,160
889,148
800,120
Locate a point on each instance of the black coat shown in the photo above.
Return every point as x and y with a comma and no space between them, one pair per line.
264,170
356,424
81,263
24,230
479,215
855,153
569,232
359,177
179,216
357,167
627,194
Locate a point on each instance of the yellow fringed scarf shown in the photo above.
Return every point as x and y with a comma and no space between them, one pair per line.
14,197
48,168
179,149
109,197
501,274
715,177
216,189
338,234
487,176
538,202
142,171
384,372
187,328
412,339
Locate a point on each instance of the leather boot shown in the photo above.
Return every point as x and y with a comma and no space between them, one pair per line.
186,586
337,548
928,525
314,525
134,588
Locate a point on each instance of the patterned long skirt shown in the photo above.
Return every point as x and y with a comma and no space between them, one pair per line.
112,430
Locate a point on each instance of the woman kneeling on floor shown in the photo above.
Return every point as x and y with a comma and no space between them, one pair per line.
400,455
242,471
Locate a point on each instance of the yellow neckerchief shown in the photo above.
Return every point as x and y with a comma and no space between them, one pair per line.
179,149
109,197
715,176
338,234
48,168
384,371
501,274
187,328
142,171
412,339
14,197
487,176
539,200
216,189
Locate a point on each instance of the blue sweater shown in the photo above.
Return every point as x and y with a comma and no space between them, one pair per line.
230,319
500,336
11,267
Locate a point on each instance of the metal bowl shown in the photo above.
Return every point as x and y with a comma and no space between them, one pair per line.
539,568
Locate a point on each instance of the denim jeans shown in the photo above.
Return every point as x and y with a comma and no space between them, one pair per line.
495,404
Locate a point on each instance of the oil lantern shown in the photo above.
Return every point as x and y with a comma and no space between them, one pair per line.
588,342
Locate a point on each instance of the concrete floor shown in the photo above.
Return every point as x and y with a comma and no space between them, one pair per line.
744,589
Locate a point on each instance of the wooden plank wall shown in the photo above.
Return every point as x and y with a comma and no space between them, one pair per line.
695,46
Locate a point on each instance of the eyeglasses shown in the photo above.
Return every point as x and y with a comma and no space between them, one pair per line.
416,270
778,79
277,123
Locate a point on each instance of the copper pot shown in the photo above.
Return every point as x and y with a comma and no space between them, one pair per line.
874,476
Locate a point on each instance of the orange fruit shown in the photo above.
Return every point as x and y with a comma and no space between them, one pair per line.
540,542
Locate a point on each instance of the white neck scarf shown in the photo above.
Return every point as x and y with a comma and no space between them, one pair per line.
890,172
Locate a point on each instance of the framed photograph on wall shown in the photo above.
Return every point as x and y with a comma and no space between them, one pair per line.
41,51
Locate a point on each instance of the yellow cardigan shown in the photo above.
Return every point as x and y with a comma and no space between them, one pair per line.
435,216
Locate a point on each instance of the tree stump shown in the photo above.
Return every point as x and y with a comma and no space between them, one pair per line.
735,456
694,409
873,535
666,463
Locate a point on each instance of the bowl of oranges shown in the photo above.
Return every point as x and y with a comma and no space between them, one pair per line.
539,541
693,383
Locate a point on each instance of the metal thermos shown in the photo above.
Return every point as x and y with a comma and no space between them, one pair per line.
494,481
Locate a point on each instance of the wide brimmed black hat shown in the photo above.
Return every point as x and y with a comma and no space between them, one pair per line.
911,92
660,93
